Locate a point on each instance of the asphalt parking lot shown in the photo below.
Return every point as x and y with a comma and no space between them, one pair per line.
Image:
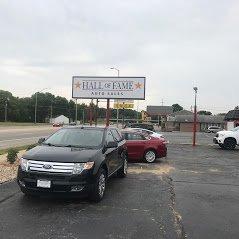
194,193
139,206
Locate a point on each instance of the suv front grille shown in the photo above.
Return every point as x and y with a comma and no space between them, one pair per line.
50,167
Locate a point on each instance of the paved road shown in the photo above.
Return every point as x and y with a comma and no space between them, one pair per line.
18,136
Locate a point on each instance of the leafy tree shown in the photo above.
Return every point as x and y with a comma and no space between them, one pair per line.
177,107
23,109
204,112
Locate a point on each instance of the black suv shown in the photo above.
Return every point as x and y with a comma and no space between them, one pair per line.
74,160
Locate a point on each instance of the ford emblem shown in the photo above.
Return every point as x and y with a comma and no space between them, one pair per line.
47,166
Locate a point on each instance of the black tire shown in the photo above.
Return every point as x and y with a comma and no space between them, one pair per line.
150,156
230,144
122,172
222,146
97,192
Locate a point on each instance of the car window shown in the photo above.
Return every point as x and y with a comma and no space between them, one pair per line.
116,135
132,136
76,137
109,137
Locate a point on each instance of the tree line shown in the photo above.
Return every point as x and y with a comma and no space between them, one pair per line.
49,105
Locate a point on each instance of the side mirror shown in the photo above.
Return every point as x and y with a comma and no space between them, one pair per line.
41,140
112,144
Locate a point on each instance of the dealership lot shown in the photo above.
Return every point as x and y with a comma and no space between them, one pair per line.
206,185
194,192
140,206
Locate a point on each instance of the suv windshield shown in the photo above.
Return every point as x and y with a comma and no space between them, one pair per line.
76,137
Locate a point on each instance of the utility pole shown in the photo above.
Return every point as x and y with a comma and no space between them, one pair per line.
6,109
117,101
36,104
195,116
36,109
51,112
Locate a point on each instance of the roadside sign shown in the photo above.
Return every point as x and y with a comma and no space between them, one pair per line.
123,104
86,87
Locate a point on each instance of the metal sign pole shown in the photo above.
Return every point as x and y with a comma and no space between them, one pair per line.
195,117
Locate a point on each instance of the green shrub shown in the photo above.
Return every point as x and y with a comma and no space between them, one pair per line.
31,146
12,155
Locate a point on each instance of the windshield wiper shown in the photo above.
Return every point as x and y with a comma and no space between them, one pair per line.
72,146
49,144
78,146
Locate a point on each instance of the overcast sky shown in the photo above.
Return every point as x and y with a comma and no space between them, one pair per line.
175,44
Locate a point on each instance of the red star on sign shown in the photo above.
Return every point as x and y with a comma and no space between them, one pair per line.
77,85
138,86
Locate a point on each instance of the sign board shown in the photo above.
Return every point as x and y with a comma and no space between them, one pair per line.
123,104
86,87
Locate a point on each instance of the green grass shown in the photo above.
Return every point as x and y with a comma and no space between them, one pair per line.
2,124
19,148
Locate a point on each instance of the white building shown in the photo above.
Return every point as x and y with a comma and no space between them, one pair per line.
62,119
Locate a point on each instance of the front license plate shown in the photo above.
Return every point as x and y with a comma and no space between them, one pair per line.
43,183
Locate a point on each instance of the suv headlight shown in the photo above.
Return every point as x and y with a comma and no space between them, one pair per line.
80,167
24,164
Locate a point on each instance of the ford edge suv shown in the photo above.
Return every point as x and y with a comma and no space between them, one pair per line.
74,160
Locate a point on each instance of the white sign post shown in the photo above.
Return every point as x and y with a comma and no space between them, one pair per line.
85,87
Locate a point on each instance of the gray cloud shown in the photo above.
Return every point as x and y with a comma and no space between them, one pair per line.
175,44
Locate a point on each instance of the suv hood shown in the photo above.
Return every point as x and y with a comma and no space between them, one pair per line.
61,154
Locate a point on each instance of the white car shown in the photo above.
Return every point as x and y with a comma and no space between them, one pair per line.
227,139
213,129
150,133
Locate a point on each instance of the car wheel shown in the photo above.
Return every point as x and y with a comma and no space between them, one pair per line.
222,146
98,190
122,172
150,156
230,143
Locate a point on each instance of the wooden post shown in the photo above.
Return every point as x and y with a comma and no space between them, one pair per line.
91,113
108,113
96,112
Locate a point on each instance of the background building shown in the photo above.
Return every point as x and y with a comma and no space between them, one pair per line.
232,118
159,114
184,120
61,119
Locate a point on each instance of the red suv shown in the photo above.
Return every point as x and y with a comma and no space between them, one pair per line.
141,147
